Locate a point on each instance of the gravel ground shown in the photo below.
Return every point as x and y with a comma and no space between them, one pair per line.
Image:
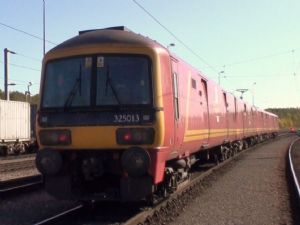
18,174
14,157
17,159
30,171
30,208
250,190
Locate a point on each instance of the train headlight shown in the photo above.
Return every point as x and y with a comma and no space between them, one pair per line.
55,137
135,161
48,161
135,136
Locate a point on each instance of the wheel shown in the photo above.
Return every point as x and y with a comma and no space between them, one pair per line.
216,159
235,150
150,200
32,148
4,151
88,205
16,150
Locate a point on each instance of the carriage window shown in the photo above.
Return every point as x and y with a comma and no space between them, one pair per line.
123,80
225,101
235,109
89,81
67,83
194,84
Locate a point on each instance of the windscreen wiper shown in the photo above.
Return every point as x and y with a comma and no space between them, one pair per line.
76,87
109,82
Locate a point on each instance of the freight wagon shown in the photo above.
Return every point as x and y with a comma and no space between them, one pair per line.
16,135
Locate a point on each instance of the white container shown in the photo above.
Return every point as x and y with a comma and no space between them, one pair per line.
14,121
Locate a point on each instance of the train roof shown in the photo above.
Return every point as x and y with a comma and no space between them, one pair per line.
271,114
110,35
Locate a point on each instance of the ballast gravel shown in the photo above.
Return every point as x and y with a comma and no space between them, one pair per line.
252,189
30,208
18,174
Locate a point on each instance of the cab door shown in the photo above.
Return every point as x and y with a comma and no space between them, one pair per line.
204,113
226,116
245,121
177,139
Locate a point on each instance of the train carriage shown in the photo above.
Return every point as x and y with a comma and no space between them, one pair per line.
121,118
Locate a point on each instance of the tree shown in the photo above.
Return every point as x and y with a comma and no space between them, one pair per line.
1,94
288,117
19,96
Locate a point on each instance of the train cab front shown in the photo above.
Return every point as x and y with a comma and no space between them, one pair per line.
97,125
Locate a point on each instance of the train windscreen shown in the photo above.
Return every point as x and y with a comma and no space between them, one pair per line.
97,81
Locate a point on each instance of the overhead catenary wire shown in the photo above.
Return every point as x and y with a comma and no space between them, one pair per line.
203,60
258,58
175,36
23,67
28,57
26,33
294,74
259,75
22,82
172,34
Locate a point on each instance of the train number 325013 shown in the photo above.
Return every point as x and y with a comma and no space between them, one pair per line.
126,118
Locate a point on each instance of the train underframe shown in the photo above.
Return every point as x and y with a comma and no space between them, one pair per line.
99,176
92,175
17,147
177,172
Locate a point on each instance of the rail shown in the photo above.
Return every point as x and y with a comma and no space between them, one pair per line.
154,214
11,187
293,166
61,216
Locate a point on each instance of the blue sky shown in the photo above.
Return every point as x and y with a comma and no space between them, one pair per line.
256,43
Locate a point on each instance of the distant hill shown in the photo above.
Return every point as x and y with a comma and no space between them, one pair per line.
19,96
288,117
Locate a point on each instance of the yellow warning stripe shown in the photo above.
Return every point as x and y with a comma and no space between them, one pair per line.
193,135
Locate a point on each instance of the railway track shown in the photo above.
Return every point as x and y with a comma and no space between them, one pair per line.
11,187
13,157
61,216
156,214
177,200
17,164
294,163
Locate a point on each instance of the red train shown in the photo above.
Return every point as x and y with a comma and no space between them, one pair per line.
122,118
